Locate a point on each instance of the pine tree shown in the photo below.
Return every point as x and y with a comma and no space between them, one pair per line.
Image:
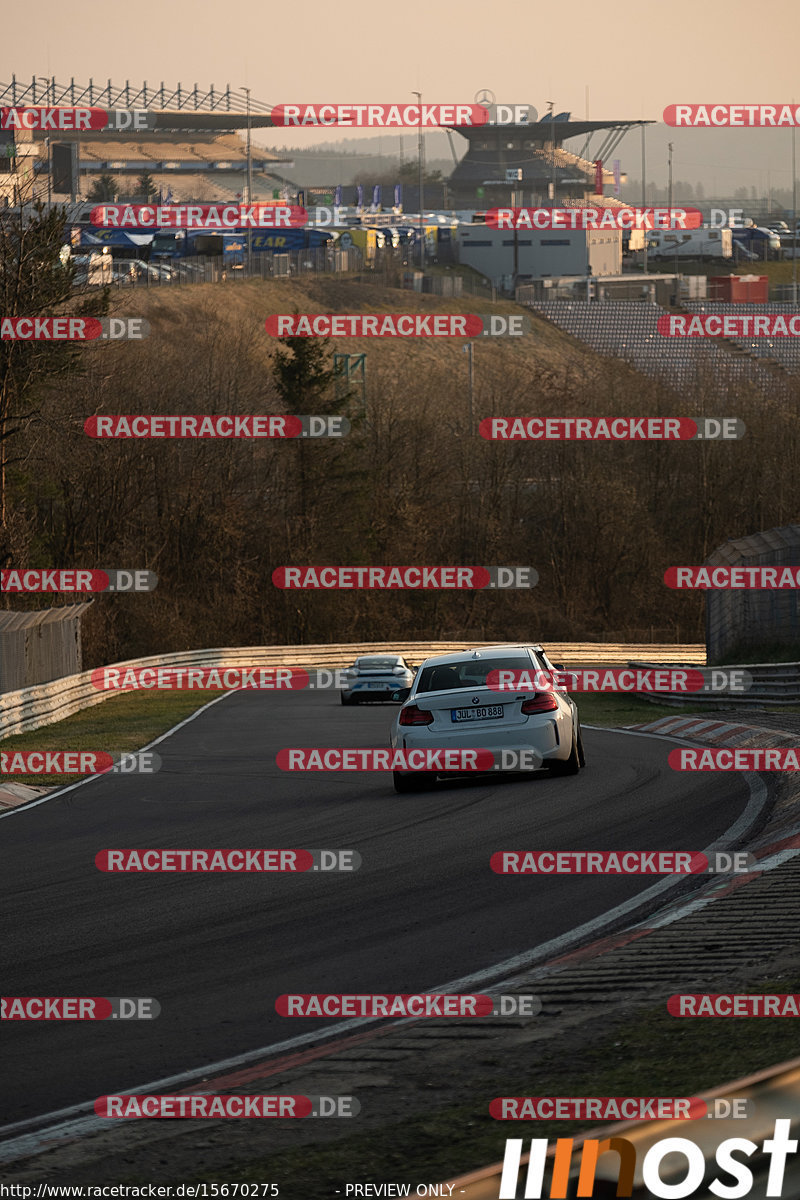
303,375
104,187
146,186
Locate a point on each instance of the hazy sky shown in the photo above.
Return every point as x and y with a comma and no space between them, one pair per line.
633,65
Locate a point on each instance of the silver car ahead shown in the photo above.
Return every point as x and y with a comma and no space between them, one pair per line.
377,677
450,707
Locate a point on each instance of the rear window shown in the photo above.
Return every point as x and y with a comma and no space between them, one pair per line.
444,676
378,663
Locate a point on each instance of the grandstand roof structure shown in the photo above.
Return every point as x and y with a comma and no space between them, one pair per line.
544,129
178,108
536,149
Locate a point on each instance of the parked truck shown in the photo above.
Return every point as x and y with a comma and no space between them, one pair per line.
704,243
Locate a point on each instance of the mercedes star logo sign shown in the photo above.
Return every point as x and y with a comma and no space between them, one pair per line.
484,97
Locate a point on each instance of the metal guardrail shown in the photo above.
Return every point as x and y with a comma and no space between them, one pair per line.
772,683
30,708
774,1093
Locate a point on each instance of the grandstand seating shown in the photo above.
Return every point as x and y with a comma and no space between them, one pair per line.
185,164
627,330
783,350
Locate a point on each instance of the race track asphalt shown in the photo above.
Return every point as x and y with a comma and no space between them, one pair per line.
216,950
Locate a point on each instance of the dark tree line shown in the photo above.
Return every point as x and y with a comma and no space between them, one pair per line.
410,484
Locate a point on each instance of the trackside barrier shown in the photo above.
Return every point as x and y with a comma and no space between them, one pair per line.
775,1094
32,707
772,683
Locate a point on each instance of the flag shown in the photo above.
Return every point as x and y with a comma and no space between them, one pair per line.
598,177
359,197
398,197
337,196
376,198
617,177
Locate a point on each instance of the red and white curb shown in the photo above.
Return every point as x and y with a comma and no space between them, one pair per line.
716,732
12,794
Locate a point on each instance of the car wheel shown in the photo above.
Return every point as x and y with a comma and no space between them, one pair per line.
417,781
569,766
581,754
347,699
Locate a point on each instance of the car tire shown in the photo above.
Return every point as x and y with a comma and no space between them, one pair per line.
347,699
568,766
417,781
581,753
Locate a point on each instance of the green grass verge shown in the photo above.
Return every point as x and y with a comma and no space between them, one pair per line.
650,1054
125,722
615,709
777,272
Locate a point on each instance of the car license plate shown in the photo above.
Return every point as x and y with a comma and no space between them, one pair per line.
485,713
376,687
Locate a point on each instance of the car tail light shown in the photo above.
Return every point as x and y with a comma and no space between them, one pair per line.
413,715
540,702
